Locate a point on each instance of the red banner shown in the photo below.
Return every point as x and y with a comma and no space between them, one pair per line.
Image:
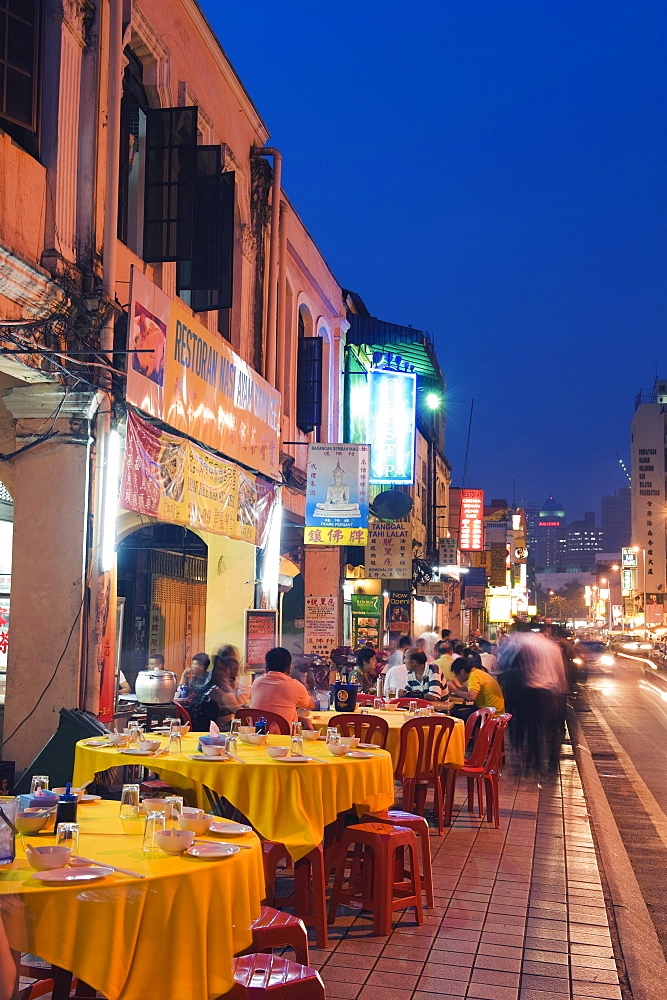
471,524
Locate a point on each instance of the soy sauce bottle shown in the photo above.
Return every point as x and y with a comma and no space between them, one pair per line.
66,808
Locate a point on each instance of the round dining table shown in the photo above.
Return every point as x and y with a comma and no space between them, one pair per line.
285,801
171,933
454,755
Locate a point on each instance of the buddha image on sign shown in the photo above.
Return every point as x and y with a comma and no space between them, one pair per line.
337,503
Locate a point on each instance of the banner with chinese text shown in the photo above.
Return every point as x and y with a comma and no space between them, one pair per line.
193,381
169,478
337,494
320,633
471,526
389,552
261,635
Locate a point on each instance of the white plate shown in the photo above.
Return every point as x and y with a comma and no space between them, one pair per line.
72,874
358,754
206,851
229,828
138,753
370,746
90,798
297,759
97,743
203,756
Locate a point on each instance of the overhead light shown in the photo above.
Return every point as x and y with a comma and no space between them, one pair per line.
433,401
110,509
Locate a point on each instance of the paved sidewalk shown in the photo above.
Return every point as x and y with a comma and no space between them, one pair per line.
519,911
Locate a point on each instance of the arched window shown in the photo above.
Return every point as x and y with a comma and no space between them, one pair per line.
308,375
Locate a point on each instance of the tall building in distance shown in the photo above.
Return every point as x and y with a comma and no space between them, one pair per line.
649,427
579,544
549,529
617,519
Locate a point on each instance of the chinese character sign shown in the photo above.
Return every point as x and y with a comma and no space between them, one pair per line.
447,552
337,494
471,525
389,552
261,635
629,558
391,426
320,625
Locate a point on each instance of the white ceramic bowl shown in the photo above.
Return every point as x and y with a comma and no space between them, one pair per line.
42,859
156,805
278,751
351,742
195,820
150,745
337,749
32,820
254,739
174,841
185,729
310,734
117,739
75,791
211,750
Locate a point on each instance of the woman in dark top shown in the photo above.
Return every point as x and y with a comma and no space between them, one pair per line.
216,701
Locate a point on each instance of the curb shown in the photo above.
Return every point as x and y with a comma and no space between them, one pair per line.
643,956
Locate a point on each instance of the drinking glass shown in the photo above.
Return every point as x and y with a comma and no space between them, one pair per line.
175,745
39,783
364,710
296,729
296,745
235,727
155,823
129,802
412,707
67,835
378,704
332,735
391,693
232,743
174,808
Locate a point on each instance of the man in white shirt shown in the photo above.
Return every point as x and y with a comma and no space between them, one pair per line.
489,661
398,655
396,675
429,640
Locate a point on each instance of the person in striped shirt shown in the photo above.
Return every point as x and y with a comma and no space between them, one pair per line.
424,680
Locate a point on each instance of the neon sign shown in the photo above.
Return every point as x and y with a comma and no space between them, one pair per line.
471,524
549,524
391,426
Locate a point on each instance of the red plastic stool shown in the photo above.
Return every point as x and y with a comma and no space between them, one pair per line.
419,826
155,788
275,929
309,895
260,977
372,878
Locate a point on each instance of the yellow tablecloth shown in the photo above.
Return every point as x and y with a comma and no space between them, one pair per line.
290,803
455,750
172,934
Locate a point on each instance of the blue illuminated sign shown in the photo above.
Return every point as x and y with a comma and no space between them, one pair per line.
392,398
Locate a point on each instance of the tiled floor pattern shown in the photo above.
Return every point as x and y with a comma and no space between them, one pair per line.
519,911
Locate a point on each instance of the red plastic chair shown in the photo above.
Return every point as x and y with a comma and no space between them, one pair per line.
364,727
277,929
249,716
405,702
419,826
266,977
366,699
374,867
481,716
309,894
484,774
182,714
431,735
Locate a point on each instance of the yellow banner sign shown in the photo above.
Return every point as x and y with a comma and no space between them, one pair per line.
193,381
335,536
169,478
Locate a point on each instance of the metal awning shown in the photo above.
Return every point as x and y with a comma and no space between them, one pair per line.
377,336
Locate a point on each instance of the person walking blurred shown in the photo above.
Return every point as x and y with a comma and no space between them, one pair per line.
532,676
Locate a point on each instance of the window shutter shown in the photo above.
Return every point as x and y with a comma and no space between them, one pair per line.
19,50
208,275
171,163
309,383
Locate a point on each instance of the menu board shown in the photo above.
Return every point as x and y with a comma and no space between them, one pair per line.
389,552
366,619
261,635
320,625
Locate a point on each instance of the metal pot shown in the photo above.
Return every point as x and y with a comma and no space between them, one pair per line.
155,687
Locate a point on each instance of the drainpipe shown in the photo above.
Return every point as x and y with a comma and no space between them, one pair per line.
282,363
271,309
98,683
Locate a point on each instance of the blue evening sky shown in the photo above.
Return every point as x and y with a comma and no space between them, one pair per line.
493,172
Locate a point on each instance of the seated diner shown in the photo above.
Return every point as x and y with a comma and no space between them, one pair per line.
275,691
423,678
476,687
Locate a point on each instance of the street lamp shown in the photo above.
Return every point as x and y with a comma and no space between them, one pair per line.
608,589
546,603
640,548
